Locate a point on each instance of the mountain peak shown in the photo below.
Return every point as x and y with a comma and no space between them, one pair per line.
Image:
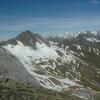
28,38
26,34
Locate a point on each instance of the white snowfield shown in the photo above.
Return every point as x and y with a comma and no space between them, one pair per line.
43,53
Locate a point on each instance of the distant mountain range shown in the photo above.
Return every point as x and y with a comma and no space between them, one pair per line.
63,63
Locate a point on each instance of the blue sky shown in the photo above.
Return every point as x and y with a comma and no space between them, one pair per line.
48,16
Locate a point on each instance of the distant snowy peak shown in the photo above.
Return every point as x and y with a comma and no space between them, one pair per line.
89,36
28,39
70,35
67,35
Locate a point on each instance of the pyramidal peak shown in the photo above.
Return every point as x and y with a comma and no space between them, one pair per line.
27,38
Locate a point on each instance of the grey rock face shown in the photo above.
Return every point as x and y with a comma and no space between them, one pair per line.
11,67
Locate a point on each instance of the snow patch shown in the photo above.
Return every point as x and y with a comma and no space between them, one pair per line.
92,40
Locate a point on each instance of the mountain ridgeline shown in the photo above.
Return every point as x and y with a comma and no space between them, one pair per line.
55,68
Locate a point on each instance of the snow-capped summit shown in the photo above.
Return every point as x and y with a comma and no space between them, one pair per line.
70,35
